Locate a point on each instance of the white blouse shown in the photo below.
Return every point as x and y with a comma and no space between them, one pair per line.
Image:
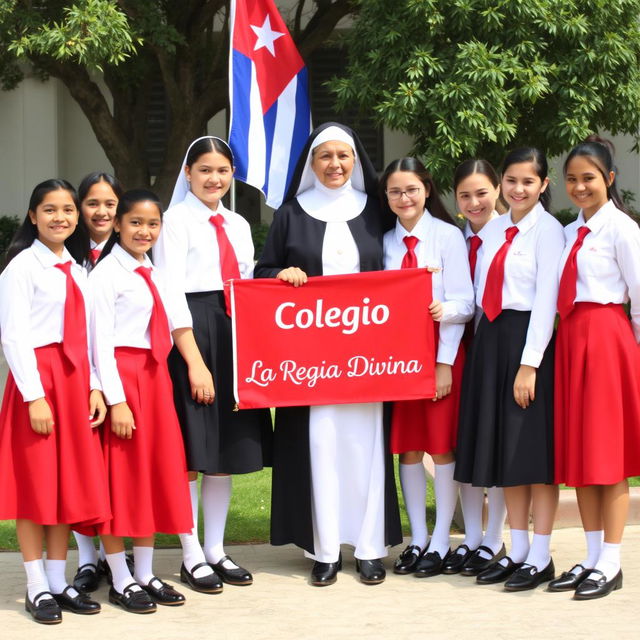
32,296
530,273
121,310
468,234
187,250
442,246
608,261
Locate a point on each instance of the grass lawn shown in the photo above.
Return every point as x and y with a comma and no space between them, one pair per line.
248,515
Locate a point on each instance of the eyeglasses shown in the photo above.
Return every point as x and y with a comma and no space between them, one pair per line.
396,194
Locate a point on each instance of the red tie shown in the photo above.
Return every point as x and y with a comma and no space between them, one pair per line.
474,245
158,324
94,254
74,340
228,261
409,261
567,291
492,298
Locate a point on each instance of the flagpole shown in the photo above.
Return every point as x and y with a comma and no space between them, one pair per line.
232,195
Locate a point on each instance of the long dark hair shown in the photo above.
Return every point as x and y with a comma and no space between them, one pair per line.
126,202
472,166
600,152
80,244
538,160
27,232
412,165
207,145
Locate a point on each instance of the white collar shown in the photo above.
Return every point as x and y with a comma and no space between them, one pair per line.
332,205
127,260
420,231
48,258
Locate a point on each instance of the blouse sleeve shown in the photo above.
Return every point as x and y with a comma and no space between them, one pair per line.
549,248
170,251
103,320
16,296
627,249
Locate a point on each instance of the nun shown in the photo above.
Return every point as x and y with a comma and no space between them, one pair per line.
202,244
333,477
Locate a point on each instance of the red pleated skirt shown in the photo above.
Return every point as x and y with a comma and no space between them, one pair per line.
57,478
147,474
425,425
597,397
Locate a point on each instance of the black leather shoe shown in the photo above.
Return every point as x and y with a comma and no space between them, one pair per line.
589,589
325,573
237,575
528,577
455,560
44,611
163,593
406,562
132,601
207,584
431,564
497,572
80,603
569,580
476,563
87,578
371,571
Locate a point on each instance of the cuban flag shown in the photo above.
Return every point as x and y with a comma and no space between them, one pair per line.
270,113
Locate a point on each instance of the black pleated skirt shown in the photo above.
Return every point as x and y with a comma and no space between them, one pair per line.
217,439
500,444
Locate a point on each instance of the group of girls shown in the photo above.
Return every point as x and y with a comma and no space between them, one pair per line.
145,341
76,346
529,412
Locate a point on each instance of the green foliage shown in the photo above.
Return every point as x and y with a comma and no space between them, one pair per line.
259,233
8,226
473,77
88,32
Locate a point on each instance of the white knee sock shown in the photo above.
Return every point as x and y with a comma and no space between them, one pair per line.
594,547
539,556
497,512
472,501
413,480
86,550
519,546
143,564
101,552
609,561
120,572
216,495
192,553
36,579
446,490
55,570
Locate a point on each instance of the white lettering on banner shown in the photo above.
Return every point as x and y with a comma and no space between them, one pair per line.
309,375
361,366
265,376
351,318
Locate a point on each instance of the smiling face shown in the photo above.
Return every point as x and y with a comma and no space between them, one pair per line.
476,197
210,178
333,162
586,185
521,188
56,218
406,195
99,210
139,228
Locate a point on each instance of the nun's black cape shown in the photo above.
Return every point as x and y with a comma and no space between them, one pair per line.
295,240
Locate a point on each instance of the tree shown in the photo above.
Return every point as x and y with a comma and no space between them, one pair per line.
127,44
470,77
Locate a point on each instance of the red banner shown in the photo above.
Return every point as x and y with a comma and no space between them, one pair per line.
337,339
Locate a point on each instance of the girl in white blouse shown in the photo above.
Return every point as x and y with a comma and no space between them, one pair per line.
477,189
597,407
98,194
51,470
506,413
133,313
425,236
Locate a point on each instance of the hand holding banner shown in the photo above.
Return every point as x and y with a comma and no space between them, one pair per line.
338,339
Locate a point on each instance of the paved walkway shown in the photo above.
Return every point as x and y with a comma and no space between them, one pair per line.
281,605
